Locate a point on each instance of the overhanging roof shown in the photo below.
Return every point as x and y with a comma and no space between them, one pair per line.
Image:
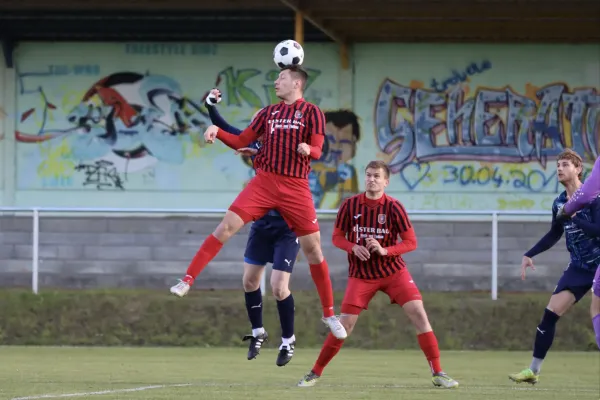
273,20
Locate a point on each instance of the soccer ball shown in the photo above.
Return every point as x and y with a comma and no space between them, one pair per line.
288,52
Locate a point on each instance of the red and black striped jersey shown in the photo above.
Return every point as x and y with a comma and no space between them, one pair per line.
384,219
283,127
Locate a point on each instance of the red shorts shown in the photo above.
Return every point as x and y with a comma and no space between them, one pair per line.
290,196
399,287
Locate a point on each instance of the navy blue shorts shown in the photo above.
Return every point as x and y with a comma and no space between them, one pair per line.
576,280
272,241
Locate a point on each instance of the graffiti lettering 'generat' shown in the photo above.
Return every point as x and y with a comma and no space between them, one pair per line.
493,125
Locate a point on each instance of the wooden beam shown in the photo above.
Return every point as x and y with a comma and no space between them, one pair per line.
299,28
376,30
315,21
162,5
344,56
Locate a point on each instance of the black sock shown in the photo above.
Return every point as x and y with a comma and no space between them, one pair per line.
286,316
254,308
544,336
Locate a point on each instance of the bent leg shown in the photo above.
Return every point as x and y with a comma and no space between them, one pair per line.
359,293
252,203
284,257
558,305
253,297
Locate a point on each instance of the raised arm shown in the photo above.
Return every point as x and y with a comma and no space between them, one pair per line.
248,135
235,142
218,120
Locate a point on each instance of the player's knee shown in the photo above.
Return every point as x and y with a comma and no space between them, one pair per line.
348,322
228,227
417,315
349,328
311,247
421,322
280,284
561,302
251,284
280,292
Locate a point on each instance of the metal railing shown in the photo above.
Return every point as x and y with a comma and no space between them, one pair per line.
455,216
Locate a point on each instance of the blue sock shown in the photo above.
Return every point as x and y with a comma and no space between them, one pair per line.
286,316
544,336
254,308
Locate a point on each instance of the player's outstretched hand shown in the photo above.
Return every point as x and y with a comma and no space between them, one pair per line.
374,247
214,97
526,263
304,149
361,252
246,151
211,134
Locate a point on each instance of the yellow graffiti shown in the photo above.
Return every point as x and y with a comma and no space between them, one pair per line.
192,149
57,161
522,204
71,98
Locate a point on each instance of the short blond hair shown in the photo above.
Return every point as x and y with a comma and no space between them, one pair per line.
378,164
575,159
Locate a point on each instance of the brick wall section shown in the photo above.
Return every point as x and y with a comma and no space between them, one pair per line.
153,252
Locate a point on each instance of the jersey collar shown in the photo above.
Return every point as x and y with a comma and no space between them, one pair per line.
300,100
364,200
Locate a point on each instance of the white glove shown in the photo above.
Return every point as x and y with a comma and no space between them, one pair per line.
214,97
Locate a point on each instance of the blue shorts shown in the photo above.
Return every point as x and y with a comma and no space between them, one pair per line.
272,241
576,280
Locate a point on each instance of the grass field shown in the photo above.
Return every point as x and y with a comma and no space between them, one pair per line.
29,373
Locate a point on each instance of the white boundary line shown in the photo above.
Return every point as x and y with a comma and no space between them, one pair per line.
137,389
217,384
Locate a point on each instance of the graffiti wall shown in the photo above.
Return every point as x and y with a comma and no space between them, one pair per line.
2,157
4,96
462,126
2,134
477,127
127,119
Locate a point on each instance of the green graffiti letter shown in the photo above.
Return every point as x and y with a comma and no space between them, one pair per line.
235,82
313,74
272,75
